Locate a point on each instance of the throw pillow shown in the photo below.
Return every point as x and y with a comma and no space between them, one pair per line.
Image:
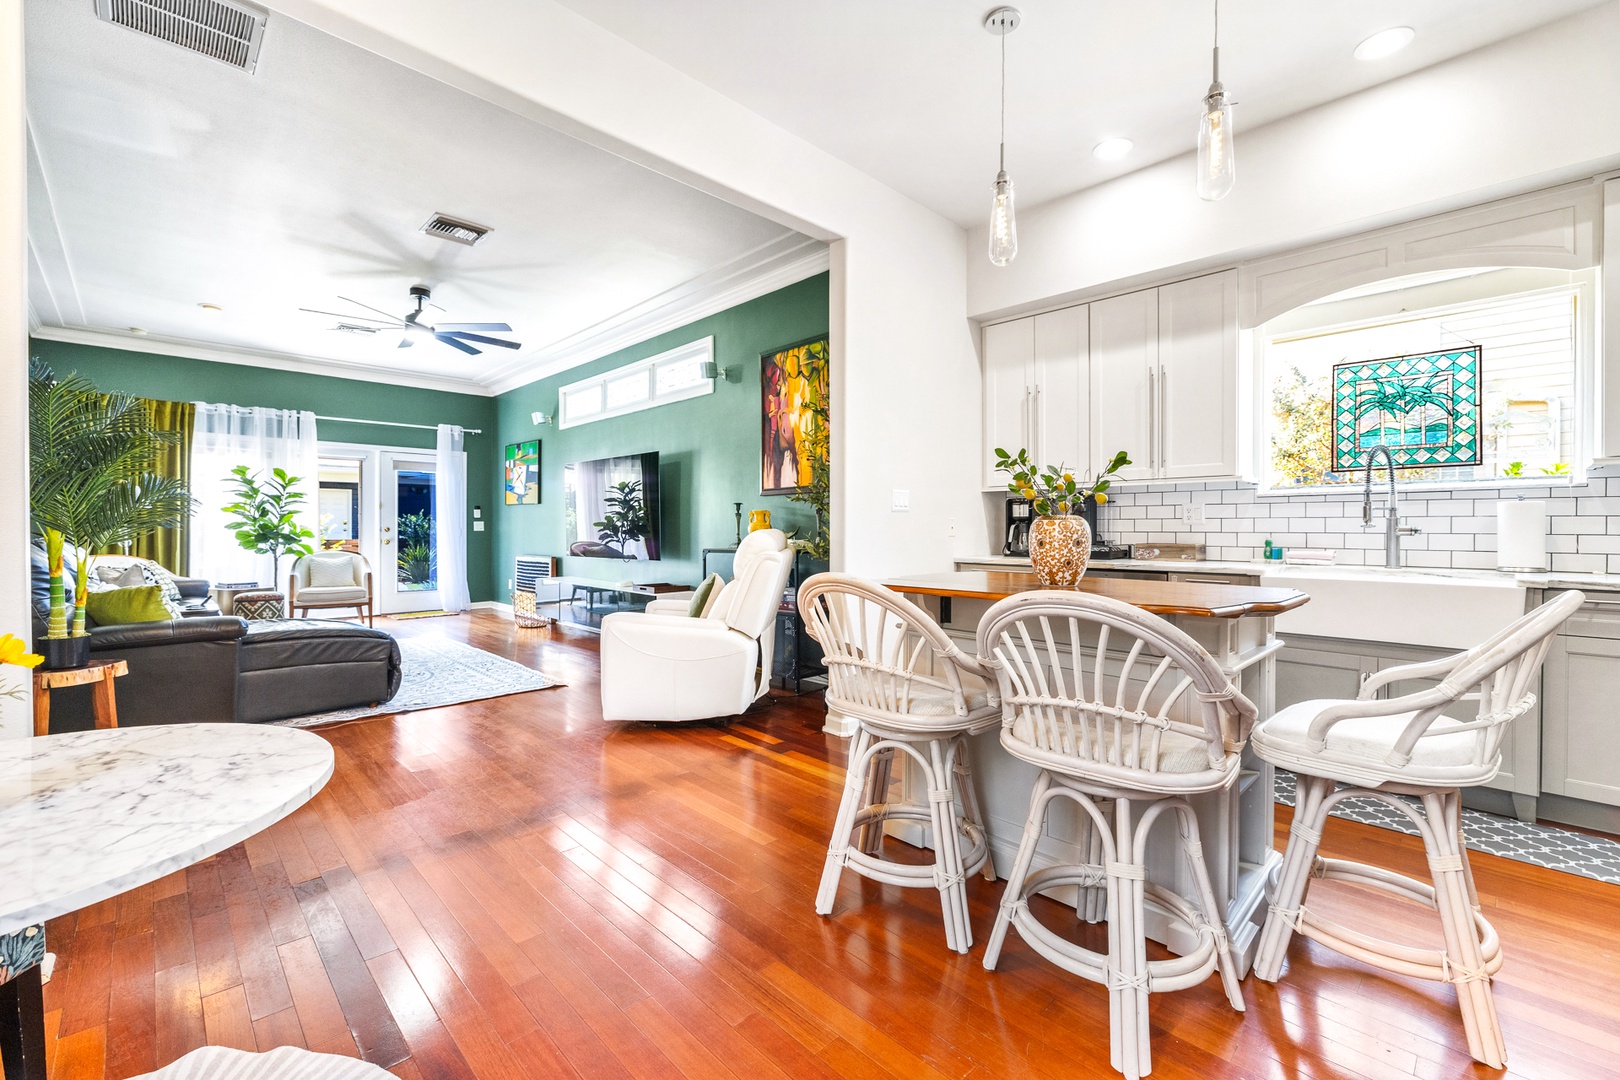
704,596
120,577
123,572
117,607
331,573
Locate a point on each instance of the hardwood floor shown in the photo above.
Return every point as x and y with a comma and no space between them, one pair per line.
513,888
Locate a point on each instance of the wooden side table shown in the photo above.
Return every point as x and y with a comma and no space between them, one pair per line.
98,674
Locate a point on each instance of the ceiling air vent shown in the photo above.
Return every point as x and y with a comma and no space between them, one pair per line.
446,227
224,30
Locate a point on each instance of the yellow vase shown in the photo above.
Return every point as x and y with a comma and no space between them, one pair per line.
758,519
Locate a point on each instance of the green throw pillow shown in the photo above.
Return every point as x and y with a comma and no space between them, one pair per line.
700,599
116,607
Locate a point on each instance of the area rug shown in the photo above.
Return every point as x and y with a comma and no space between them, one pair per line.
440,672
1539,845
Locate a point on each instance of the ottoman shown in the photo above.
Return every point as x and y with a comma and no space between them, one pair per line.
298,667
262,604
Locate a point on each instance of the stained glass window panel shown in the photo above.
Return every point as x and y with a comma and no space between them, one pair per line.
1425,408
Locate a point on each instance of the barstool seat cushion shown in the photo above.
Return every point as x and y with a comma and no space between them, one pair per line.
937,701
1357,749
1178,753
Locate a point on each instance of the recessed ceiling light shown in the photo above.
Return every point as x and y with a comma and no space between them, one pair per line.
1111,149
1385,43
138,331
211,307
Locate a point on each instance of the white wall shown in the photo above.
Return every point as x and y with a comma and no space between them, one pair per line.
905,375
1524,113
15,716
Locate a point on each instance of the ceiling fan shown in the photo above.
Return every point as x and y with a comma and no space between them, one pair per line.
457,335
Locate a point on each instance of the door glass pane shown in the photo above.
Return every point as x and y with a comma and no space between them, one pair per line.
340,503
418,545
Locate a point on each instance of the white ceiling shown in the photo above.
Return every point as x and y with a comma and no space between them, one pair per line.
906,90
163,180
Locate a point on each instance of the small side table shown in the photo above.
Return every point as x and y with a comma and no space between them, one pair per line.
98,674
225,595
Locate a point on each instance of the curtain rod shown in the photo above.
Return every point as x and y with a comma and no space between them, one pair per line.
393,423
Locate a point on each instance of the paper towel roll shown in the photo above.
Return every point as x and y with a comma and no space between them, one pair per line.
1521,534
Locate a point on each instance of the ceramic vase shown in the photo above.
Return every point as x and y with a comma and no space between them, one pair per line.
62,654
1059,548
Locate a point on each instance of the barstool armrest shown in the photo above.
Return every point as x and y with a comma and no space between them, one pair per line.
1427,669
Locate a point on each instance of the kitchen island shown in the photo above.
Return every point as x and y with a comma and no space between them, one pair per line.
1235,624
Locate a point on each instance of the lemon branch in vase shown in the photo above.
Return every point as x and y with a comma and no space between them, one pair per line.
1053,490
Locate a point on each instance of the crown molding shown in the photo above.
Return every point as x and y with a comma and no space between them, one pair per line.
768,268
228,354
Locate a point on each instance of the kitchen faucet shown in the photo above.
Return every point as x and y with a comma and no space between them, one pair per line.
1393,529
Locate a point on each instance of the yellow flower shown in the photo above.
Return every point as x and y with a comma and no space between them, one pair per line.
13,651
1101,497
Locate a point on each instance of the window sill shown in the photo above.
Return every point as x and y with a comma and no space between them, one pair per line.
1504,485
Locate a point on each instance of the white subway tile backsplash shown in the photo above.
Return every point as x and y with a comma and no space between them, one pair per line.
1234,521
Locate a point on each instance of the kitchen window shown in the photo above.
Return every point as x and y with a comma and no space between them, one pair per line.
1469,376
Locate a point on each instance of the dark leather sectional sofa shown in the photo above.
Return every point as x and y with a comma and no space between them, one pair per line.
208,667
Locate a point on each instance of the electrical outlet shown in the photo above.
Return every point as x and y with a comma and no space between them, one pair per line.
950,526
478,526
508,584
1187,513
900,501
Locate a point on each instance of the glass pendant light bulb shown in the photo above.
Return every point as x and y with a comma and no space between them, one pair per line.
1217,168
1003,225
1216,164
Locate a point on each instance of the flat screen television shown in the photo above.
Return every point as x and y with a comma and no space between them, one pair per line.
611,507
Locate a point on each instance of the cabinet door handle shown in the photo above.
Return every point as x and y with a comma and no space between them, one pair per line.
1153,423
1029,421
1164,413
1035,423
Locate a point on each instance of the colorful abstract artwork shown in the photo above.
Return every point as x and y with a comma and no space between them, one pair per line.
1426,408
523,473
793,386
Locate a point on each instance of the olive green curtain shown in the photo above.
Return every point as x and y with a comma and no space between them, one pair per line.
170,548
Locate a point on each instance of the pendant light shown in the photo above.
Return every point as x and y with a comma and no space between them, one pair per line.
1003,226
1216,166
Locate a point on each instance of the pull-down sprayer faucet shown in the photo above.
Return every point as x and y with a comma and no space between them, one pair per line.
1393,529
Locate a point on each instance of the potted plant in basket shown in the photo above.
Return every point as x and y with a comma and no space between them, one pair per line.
91,486
267,516
1059,538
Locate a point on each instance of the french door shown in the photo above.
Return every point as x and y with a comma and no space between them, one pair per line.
407,572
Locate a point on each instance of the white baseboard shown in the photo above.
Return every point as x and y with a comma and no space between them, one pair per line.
492,605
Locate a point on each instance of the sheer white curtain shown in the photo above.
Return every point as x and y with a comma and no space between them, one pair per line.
450,518
224,437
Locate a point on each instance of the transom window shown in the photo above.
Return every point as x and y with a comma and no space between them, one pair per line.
670,376
1465,376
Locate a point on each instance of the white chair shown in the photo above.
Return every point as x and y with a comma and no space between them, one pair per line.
663,665
331,579
1125,715
893,670
1406,746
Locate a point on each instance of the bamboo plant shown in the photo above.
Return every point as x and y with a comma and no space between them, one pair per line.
91,479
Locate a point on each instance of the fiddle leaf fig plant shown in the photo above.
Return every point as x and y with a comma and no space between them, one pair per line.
626,519
266,521
1053,490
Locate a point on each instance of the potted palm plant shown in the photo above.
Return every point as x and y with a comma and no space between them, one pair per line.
266,521
91,486
1059,538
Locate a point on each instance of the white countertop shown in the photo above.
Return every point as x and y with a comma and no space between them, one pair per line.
1544,580
88,815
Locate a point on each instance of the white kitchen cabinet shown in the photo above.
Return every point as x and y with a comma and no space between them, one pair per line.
1580,749
1164,379
1124,374
1037,391
1197,382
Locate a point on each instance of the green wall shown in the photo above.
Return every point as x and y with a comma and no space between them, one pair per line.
174,378
709,447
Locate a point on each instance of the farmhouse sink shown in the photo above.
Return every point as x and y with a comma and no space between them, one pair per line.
1403,607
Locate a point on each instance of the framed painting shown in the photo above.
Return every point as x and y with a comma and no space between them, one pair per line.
793,404
523,473
1425,408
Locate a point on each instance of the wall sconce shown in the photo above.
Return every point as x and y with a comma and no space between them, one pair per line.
539,418
711,370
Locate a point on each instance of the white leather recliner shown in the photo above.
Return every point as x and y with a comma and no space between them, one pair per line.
663,665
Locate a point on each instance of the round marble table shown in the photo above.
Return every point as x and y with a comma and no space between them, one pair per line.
88,815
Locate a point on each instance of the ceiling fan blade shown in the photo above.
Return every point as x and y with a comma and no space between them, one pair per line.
498,327
477,337
406,342
351,318
462,345
368,307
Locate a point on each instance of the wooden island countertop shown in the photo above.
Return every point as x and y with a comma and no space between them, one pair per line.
1159,597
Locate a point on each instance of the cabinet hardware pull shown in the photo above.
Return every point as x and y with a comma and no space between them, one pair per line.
1153,424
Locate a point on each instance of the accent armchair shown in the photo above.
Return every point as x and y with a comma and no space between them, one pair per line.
663,665
331,579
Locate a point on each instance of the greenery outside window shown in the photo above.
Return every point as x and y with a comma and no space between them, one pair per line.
1533,329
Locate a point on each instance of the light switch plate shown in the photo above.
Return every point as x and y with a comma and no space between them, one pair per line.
901,501
478,526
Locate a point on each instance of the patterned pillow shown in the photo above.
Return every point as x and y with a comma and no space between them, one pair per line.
331,573
120,572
